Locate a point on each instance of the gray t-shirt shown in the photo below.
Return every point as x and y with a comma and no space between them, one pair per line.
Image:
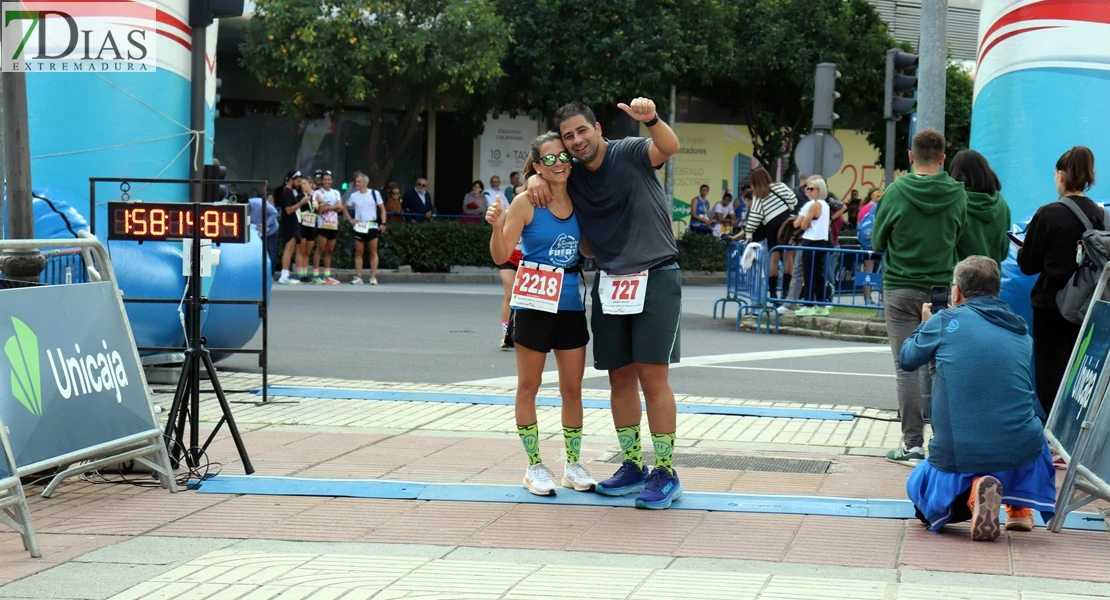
622,209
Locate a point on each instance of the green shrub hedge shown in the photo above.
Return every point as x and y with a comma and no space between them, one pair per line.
701,252
428,247
437,246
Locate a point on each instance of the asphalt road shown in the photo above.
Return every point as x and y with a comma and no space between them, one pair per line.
450,333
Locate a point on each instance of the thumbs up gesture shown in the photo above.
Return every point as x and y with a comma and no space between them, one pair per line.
641,109
495,215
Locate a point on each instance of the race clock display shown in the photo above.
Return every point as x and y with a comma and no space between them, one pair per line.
166,221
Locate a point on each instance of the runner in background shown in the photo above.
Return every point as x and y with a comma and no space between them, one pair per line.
307,216
366,201
507,270
548,312
288,205
328,206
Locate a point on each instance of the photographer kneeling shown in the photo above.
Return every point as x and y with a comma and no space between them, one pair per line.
988,446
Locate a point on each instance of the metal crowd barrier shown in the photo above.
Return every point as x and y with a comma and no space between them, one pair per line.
747,287
853,278
63,267
406,217
145,446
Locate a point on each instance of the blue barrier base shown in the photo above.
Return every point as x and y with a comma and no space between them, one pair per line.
471,492
505,400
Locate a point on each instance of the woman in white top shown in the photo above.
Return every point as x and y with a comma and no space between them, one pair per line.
813,221
724,215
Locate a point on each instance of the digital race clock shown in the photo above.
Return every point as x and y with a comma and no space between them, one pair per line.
164,221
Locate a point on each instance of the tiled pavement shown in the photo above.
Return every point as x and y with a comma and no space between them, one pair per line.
196,546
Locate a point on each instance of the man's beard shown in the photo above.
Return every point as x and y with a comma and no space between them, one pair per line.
588,154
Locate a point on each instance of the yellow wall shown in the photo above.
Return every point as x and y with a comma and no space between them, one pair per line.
720,155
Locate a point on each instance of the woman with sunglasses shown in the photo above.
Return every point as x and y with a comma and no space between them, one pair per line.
393,202
548,310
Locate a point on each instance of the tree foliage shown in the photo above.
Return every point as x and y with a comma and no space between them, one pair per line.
779,43
602,52
959,89
377,54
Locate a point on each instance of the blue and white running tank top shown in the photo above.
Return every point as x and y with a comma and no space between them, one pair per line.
549,240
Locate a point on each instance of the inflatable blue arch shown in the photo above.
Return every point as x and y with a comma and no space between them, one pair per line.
1041,87
135,125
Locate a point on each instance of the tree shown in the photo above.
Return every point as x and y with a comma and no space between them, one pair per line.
779,43
959,89
378,54
602,52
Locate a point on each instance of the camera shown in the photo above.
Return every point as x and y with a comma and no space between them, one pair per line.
938,296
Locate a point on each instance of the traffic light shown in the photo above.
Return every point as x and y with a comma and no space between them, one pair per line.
203,12
215,192
898,62
824,96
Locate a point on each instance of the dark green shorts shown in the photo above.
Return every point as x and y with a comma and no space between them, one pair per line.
651,337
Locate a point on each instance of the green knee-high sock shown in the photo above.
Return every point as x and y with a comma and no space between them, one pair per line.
664,450
530,437
572,437
629,438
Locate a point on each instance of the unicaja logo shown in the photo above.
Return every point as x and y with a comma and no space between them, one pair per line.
23,355
89,373
75,375
1084,375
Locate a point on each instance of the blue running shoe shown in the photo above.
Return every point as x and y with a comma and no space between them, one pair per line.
661,489
627,480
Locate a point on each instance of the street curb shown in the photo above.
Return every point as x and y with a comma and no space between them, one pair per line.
830,328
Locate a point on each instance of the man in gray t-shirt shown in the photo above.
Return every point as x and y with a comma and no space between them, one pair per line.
625,218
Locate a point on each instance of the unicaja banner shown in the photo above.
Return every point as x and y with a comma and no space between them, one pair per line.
4,470
66,37
1074,400
69,377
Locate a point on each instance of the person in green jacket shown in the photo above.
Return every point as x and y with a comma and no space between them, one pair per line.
917,227
988,215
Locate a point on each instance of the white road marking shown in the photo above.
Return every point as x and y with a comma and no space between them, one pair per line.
887,376
552,377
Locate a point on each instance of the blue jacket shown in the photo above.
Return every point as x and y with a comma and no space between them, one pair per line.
983,398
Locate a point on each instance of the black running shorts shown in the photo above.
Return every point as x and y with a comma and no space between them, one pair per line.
651,337
371,234
290,230
543,331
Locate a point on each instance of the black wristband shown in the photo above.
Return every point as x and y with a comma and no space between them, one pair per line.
653,121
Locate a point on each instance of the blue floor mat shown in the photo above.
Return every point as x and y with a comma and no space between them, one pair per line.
505,400
473,492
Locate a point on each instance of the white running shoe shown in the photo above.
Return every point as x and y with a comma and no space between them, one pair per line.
288,282
356,281
539,480
576,477
373,281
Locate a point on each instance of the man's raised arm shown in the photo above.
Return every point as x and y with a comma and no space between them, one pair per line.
664,142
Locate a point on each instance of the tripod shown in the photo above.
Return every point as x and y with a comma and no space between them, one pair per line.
186,399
